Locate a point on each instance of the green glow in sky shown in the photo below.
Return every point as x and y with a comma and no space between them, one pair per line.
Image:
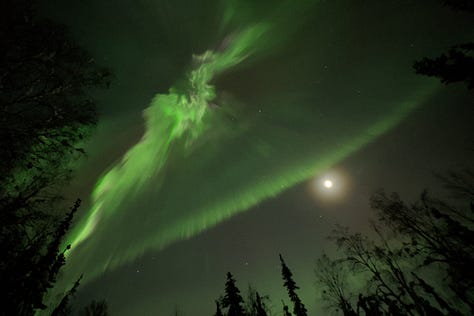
168,118
220,109
186,175
178,119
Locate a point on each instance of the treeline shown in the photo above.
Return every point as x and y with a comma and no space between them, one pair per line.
418,261
46,113
232,303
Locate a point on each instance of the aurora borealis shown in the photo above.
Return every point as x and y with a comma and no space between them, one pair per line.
168,119
232,106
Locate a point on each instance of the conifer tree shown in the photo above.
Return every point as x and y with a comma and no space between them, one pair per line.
232,298
298,307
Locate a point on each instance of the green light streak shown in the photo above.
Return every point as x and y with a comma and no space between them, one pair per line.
176,158
167,119
176,122
221,209
174,224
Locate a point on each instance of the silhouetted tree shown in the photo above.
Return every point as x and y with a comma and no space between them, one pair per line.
232,299
298,307
426,238
439,234
457,65
44,81
332,274
31,271
45,112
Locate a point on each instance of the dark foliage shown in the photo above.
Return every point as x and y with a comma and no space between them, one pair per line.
232,299
456,65
232,303
44,81
331,273
30,268
298,307
45,112
420,264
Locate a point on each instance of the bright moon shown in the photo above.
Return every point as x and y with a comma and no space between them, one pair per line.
328,184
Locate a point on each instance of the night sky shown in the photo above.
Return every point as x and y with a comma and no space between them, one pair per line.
279,97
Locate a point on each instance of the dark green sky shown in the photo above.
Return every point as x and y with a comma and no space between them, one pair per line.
328,89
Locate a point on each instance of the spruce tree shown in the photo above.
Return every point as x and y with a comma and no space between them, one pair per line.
232,298
298,307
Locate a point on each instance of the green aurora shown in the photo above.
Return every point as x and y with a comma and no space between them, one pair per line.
168,118
175,124
203,158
